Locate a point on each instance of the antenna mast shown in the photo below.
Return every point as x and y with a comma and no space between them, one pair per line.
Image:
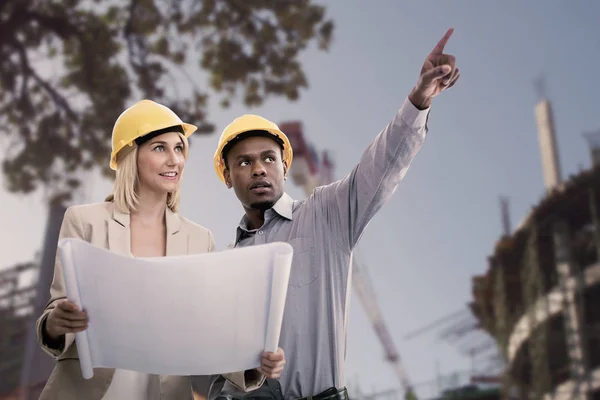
505,216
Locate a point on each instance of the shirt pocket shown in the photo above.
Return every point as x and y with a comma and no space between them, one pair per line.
304,269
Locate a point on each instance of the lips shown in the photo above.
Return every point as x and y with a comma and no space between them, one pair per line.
170,174
260,185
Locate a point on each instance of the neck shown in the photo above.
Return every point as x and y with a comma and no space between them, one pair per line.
256,218
151,207
255,213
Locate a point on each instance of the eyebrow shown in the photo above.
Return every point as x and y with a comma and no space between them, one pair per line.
163,142
264,153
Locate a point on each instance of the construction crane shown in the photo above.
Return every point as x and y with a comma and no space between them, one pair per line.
461,328
308,172
366,294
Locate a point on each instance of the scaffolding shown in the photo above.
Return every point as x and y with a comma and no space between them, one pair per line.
24,366
16,306
533,298
534,289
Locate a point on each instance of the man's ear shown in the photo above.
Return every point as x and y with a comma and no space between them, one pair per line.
227,177
285,170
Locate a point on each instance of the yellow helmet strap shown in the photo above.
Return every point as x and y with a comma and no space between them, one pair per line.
150,135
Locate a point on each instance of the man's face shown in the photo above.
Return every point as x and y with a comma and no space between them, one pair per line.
256,172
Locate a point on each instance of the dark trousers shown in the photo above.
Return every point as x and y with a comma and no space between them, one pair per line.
271,389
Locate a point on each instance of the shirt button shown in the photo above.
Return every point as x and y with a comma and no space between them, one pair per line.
261,233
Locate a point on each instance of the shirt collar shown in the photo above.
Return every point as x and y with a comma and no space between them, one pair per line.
283,207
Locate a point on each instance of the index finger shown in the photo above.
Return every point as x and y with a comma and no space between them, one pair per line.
439,48
273,356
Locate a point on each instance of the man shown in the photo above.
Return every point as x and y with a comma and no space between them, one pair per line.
253,158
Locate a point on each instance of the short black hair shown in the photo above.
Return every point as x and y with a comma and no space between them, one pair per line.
246,135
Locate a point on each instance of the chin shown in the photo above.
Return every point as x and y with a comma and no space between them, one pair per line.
263,202
169,188
262,205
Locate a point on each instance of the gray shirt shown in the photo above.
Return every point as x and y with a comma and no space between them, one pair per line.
323,230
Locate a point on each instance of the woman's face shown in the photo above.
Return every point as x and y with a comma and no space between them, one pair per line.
160,163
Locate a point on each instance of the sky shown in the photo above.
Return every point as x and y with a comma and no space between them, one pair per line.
435,234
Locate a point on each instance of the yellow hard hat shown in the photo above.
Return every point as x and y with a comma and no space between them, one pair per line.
246,123
143,117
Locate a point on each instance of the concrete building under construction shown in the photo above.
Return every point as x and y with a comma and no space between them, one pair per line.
539,295
24,367
16,308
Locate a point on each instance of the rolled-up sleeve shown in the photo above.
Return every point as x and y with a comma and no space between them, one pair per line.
235,384
246,381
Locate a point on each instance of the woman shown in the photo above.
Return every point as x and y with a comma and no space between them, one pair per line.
149,151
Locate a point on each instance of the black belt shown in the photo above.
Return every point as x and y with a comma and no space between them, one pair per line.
329,394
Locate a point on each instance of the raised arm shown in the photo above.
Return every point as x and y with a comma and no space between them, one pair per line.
349,204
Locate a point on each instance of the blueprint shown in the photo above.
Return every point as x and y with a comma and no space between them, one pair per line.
202,314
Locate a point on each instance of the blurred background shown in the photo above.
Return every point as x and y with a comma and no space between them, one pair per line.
479,279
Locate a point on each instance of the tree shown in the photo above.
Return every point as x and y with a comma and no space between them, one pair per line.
104,55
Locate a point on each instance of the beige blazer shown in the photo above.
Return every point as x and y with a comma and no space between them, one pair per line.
103,226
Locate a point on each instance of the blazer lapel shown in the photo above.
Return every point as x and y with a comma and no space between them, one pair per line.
119,233
176,238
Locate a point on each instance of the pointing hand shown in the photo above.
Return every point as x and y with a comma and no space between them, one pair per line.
439,72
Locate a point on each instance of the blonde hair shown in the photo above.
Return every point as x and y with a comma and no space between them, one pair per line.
126,183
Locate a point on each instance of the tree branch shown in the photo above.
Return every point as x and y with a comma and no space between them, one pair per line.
59,100
128,28
59,26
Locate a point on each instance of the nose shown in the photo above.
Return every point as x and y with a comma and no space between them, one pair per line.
259,169
174,158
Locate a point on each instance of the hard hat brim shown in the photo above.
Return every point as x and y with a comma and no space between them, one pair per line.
219,163
188,129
